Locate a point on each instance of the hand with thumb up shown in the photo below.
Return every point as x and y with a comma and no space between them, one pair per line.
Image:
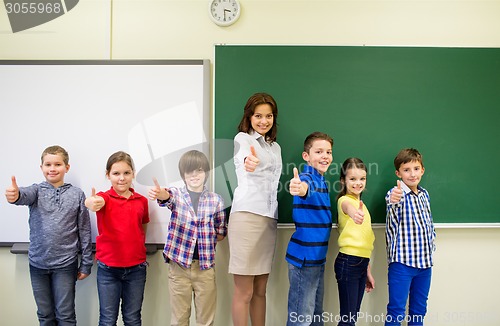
251,161
297,187
12,192
396,193
359,215
157,192
94,202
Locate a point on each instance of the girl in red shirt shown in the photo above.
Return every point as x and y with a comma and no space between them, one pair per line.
122,217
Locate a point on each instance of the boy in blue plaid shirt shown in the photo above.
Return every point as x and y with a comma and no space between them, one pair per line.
196,224
410,238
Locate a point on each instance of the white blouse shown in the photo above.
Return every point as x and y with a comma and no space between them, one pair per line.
257,191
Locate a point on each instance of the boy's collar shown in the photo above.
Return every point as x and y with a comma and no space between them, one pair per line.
50,185
202,191
405,188
313,169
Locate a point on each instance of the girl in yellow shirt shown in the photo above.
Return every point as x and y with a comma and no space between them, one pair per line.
352,268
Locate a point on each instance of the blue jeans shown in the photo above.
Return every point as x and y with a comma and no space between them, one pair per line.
125,284
54,292
350,272
305,297
405,281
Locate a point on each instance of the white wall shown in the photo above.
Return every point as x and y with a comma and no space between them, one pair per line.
462,293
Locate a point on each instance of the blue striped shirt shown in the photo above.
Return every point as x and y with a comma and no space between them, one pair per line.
409,229
313,222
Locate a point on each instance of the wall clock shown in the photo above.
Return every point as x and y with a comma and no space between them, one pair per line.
224,12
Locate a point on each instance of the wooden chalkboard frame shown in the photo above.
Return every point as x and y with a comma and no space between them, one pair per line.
375,101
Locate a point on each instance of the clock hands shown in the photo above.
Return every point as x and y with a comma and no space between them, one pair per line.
224,12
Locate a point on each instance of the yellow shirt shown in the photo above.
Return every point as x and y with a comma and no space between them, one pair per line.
354,239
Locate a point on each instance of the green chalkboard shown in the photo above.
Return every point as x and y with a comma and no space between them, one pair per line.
374,101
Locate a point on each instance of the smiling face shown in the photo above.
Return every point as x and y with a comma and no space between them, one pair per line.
355,181
319,155
54,169
411,173
195,180
262,119
121,176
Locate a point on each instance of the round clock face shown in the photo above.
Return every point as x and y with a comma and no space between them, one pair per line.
224,12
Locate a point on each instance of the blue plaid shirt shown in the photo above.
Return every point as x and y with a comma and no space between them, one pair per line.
186,228
409,229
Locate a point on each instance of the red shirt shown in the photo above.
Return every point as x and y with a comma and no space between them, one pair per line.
121,239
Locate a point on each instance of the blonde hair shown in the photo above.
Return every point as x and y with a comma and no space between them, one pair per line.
56,150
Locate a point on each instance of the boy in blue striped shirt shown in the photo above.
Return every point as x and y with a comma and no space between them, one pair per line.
410,241
306,252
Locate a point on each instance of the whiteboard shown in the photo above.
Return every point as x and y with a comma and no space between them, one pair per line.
155,110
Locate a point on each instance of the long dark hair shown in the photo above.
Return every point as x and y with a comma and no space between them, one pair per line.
350,163
255,100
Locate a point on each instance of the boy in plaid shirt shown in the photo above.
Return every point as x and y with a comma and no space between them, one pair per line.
196,224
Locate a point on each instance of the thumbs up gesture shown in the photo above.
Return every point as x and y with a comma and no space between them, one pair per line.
297,187
359,215
251,161
157,192
396,193
12,192
94,202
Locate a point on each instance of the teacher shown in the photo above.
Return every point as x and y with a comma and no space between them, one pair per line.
254,212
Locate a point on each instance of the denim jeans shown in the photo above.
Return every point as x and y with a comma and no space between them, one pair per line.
350,272
405,281
125,284
305,297
54,292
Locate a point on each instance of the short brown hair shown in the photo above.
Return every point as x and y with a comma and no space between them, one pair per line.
311,138
255,100
408,155
119,156
191,161
56,150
